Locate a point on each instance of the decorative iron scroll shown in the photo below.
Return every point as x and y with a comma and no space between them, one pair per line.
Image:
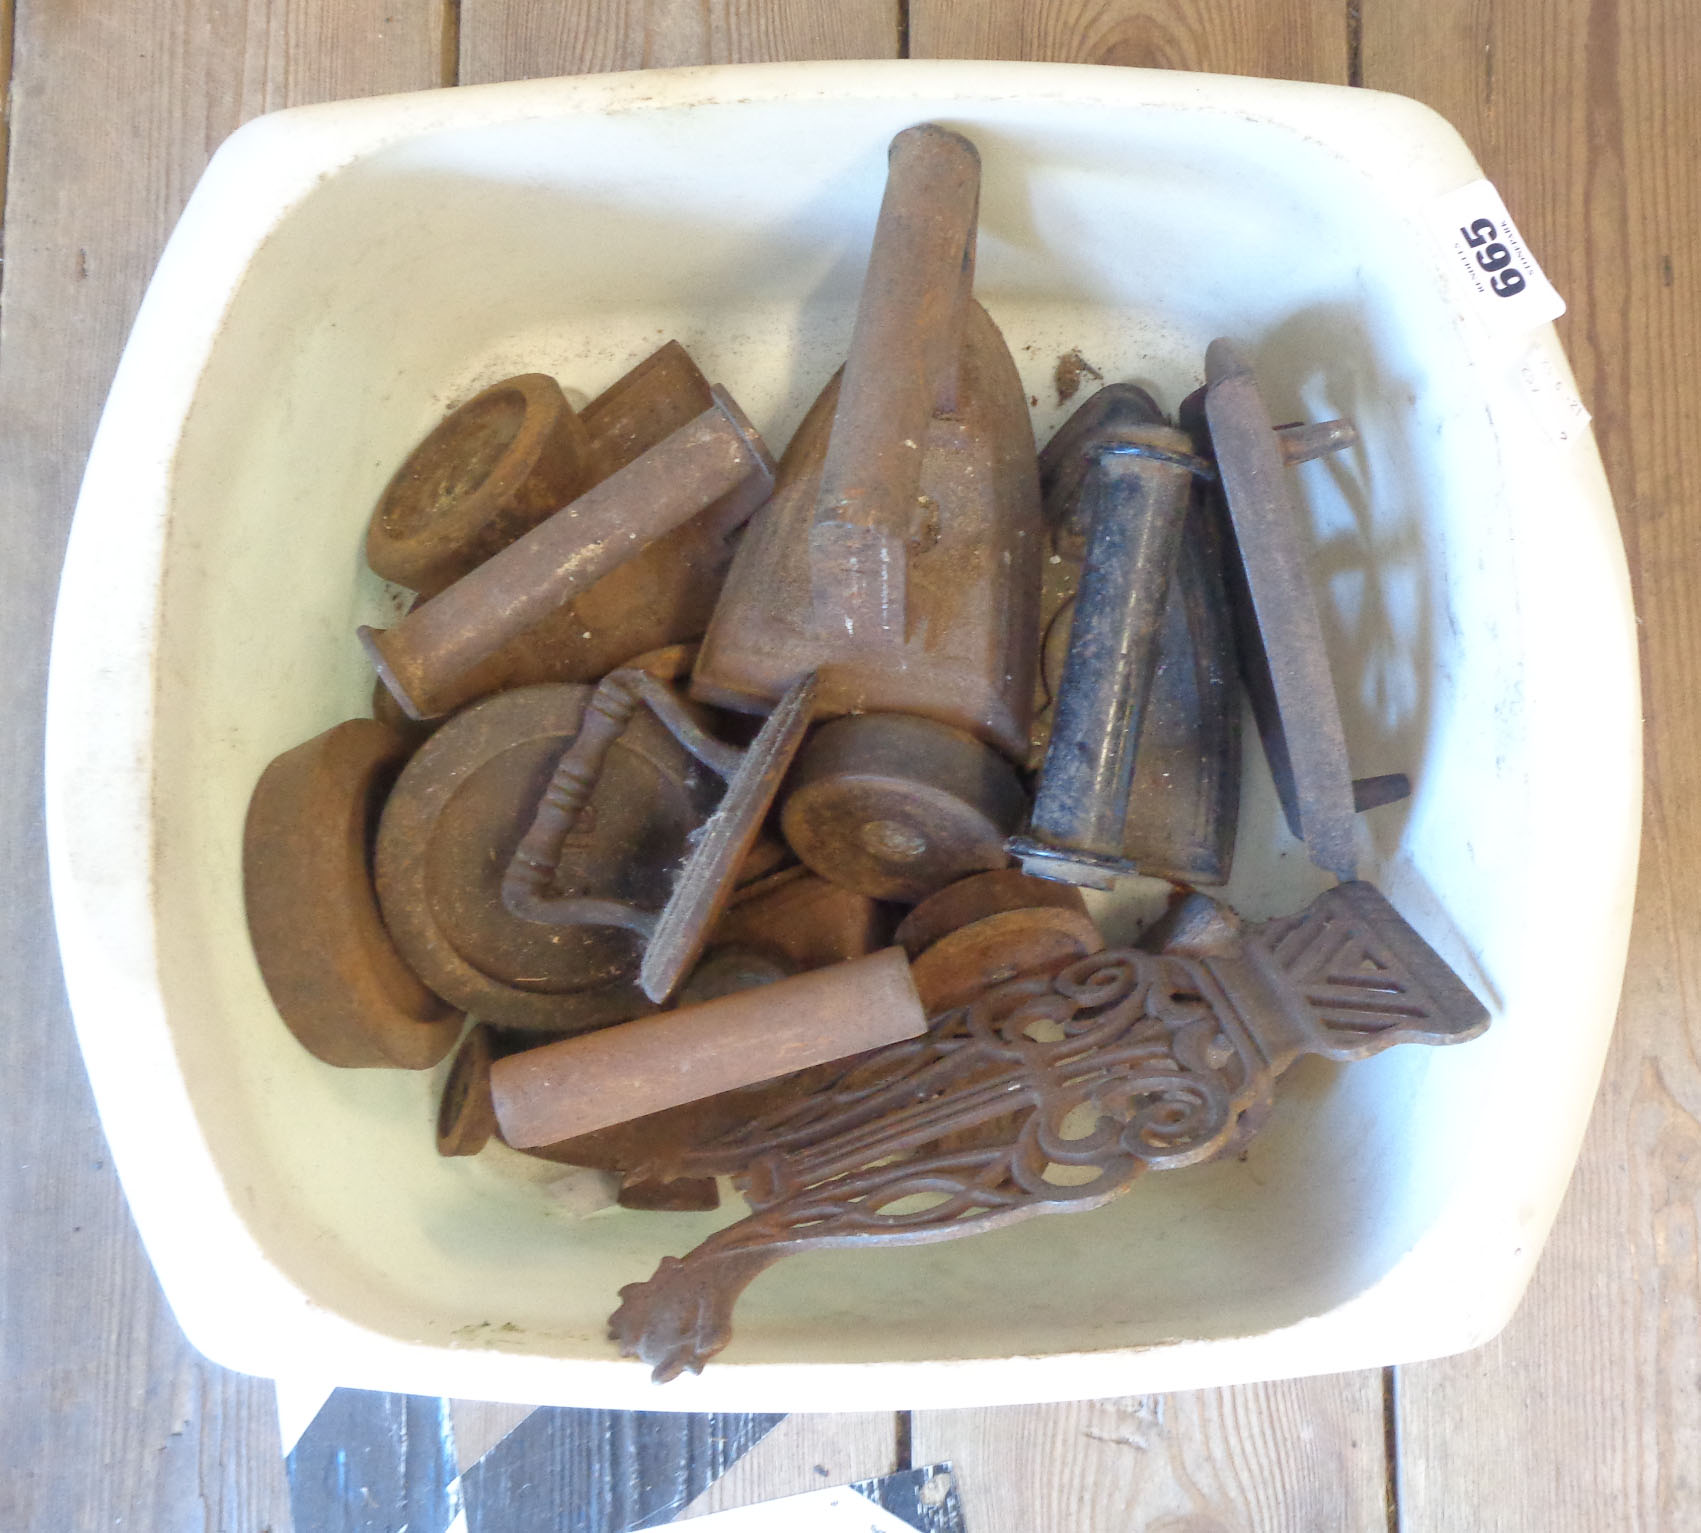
1046,1094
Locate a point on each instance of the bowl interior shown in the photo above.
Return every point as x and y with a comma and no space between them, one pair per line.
573,245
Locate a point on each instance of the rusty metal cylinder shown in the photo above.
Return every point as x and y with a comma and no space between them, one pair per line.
592,1082
424,655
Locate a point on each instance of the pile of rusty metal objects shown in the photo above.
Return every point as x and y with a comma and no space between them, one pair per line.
746,809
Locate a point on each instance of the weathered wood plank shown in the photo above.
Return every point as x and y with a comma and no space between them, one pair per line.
805,1452
373,1463
1291,39
1307,1453
526,39
6,20
1303,1454
107,1418
589,1471
1586,117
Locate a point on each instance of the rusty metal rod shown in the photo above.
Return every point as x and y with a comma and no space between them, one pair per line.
902,367
592,1082
1139,492
424,655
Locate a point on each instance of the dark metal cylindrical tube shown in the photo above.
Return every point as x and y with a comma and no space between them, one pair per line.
599,1079
440,641
1138,497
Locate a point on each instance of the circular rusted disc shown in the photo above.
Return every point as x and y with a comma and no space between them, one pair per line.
332,970
490,471
974,898
466,1115
896,807
963,963
450,829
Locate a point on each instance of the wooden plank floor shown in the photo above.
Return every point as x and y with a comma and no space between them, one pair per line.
1586,1414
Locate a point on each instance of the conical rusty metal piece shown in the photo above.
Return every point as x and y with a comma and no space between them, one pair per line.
900,553
902,370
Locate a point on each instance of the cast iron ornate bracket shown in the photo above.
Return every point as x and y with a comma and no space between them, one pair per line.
1046,1095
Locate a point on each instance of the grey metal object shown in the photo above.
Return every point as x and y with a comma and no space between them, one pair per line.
1138,490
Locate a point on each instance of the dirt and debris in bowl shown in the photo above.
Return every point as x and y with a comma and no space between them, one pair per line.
1071,368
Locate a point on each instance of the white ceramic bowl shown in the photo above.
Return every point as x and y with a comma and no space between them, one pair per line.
343,273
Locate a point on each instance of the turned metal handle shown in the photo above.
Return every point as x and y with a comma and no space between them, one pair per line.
528,884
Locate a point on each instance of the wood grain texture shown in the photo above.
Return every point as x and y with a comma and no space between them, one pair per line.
106,1417
528,39
1289,39
375,1463
1266,1458
7,19
590,1471
479,1425
804,1452
1586,1413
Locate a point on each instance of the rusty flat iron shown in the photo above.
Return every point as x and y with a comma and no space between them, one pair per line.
662,595
1183,804
899,556
674,935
